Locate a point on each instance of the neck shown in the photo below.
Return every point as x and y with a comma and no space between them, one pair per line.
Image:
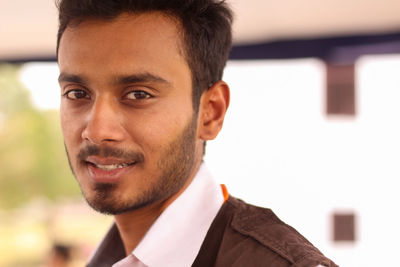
133,225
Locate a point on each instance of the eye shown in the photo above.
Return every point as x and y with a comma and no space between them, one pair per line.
137,95
76,94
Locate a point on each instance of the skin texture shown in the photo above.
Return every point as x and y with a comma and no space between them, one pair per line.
127,101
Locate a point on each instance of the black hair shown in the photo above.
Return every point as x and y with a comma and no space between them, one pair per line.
206,25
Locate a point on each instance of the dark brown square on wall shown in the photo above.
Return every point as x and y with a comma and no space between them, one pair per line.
344,227
340,94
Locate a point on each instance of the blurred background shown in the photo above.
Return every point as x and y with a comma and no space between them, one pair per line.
312,130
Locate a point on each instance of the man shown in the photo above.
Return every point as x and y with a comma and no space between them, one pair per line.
141,94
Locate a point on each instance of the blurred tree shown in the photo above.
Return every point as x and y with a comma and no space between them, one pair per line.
32,156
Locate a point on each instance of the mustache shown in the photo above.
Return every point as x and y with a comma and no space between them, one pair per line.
107,151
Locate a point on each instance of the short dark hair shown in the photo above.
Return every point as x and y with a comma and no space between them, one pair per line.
206,24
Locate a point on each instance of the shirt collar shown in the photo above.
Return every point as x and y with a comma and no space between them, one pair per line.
176,236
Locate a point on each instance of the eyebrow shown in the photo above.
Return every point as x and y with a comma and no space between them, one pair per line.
140,78
123,79
65,77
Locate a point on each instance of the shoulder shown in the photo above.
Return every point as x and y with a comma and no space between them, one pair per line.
257,235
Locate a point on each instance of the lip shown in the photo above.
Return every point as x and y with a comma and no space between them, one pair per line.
105,161
101,175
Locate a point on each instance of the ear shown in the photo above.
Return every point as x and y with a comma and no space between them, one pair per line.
213,106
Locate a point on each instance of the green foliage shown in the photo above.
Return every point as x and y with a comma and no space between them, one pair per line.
32,157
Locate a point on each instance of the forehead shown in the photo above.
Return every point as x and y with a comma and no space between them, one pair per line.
130,40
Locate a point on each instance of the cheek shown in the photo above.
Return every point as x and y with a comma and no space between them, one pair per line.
166,127
70,127
154,133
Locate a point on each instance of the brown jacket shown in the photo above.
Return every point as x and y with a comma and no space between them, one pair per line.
240,236
243,235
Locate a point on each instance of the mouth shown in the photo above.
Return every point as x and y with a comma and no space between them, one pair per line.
107,170
111,167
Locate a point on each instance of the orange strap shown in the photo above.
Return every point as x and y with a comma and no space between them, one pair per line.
224,192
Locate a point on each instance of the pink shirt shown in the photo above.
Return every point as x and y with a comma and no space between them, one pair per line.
171,241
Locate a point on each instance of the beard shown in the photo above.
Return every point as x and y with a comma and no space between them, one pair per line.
175,166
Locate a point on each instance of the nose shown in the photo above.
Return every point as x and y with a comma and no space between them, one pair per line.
103,122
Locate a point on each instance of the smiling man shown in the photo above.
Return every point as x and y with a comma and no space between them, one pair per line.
141,94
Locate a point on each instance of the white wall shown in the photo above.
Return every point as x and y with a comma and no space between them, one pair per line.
278,149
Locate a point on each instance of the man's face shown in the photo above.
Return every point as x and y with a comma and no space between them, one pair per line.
126,110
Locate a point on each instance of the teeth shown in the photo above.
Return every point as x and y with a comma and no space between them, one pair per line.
111,166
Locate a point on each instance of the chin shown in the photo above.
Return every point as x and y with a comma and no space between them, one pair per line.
105,198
